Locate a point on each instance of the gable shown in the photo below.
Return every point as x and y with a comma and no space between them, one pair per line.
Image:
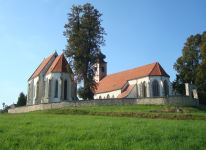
59,65
41,66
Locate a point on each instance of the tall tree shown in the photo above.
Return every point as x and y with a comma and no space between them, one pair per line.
201,74
21,100
188,65
85,36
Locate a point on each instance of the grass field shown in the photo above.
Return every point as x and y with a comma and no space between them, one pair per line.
44,130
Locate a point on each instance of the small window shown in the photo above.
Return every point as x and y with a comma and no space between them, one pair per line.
102,69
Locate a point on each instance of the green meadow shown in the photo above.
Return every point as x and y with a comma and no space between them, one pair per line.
105,127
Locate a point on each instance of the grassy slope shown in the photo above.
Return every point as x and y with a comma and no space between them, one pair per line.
46,131
143,108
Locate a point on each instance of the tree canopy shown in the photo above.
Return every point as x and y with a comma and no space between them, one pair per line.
191,66
21,100
84,37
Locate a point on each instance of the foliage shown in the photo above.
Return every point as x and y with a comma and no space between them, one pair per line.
5,110
21,100
85,35
192,64
179,86
202,97
37,130
85,93
3,104
201,74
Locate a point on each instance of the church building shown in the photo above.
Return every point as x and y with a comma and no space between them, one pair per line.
51,82
146,81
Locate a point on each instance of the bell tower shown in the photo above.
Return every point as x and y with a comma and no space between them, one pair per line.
100,68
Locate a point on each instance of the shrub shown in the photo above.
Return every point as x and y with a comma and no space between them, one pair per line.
202,97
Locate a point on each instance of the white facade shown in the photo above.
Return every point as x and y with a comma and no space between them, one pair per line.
51,87
137,91
153,83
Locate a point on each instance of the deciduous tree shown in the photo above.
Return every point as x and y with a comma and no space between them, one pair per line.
191,66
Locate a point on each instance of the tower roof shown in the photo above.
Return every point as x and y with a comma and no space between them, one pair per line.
59,65
117,81
101,56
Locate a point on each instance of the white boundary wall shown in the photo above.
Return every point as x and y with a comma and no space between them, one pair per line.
173,100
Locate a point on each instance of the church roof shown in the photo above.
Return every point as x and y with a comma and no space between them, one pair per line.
126,91
59,65
117,81
41,67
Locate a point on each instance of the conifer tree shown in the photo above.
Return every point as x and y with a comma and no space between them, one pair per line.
21,100
85,36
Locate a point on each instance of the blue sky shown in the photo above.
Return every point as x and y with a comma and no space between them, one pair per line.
139,32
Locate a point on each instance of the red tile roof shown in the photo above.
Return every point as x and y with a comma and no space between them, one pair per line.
126,92
59,65
117,81
41,66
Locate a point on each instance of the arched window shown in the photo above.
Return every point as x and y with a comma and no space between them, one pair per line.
100,97
56,88
65,89
144,89
108,96
155,88
95,70
166,89
112,96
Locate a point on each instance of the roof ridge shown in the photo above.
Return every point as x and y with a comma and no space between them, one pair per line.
153,68
158,65
56,62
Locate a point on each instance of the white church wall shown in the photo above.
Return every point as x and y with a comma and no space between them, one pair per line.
133,93
158,78
161,79
55,76
111,94
35,89
143,79
66,76
139,82
131,82
31,84
41,82
169,85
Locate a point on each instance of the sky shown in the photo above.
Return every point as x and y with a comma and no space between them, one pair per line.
139,32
